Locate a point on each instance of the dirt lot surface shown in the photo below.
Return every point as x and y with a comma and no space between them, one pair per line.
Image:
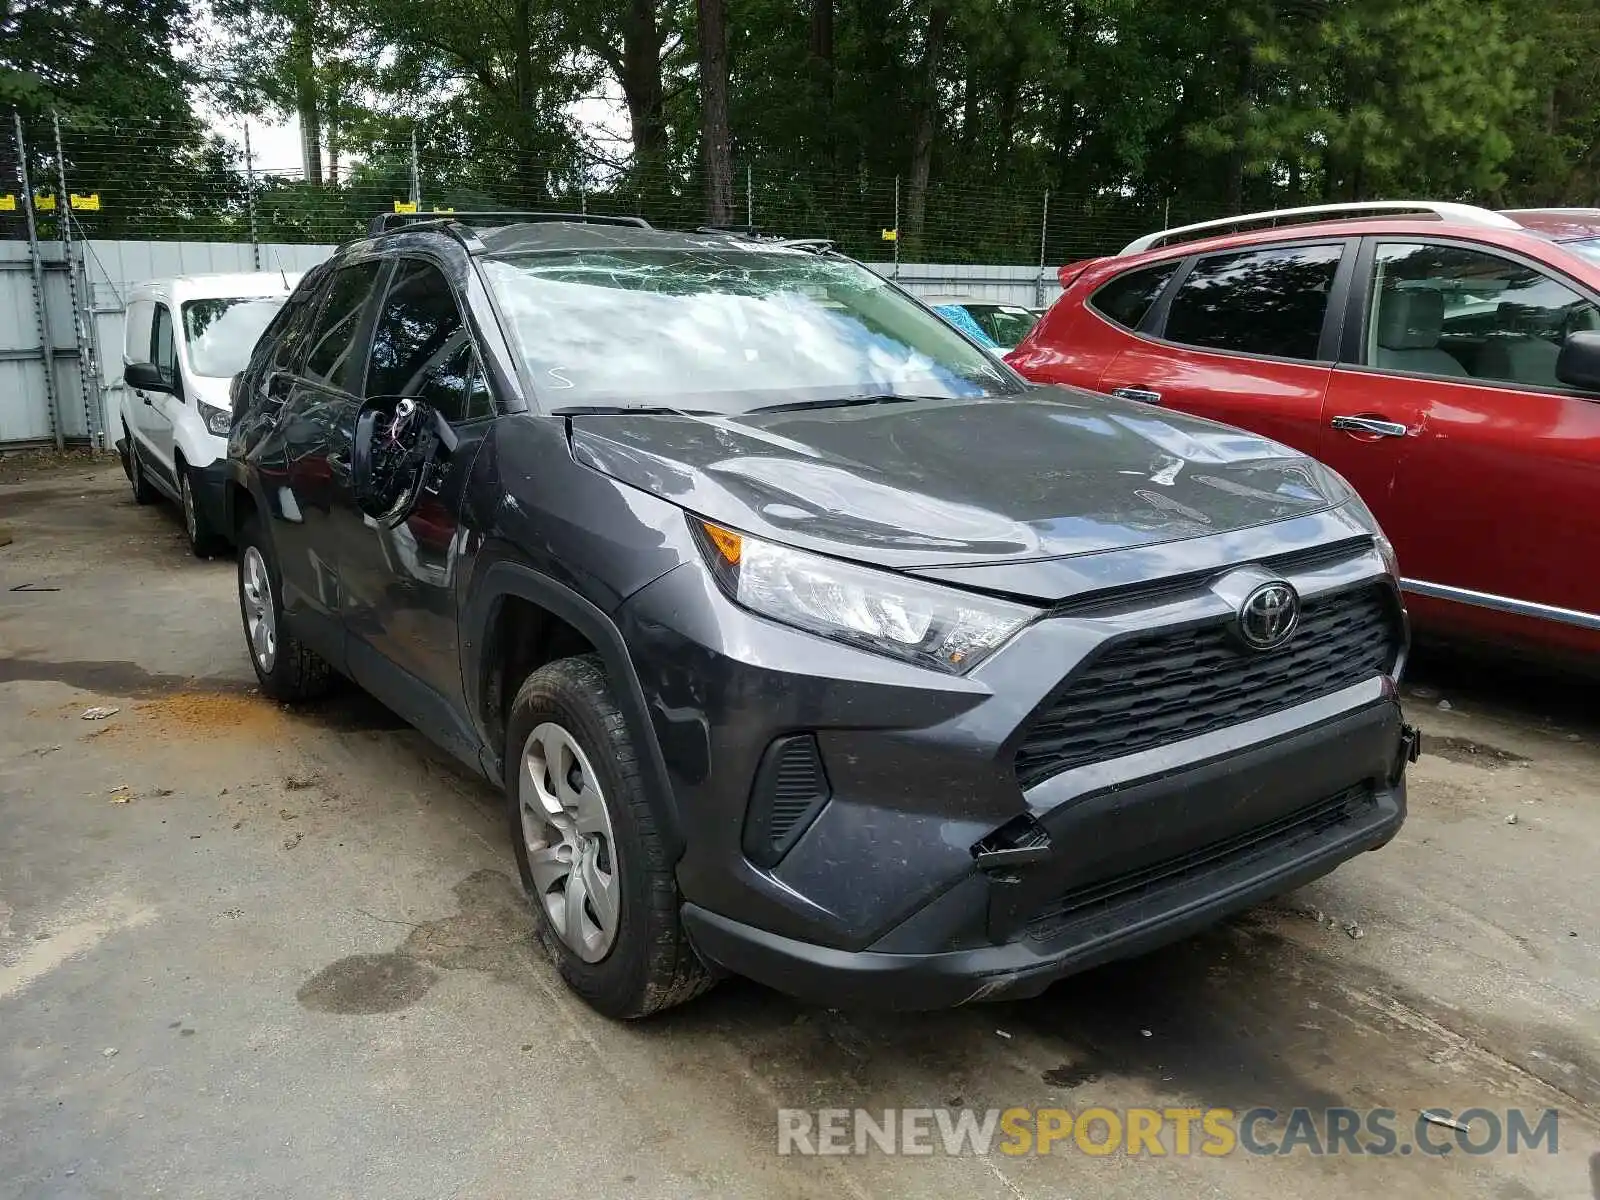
252,952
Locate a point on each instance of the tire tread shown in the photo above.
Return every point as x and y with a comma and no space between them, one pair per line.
673,973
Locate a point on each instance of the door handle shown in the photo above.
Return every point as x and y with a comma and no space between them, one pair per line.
1373,425
1142,395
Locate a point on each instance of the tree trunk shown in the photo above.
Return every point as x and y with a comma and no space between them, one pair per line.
969,107
527,174
1007,106
822,71
924,126
302,42
331,125
640,77
716,150
1067,115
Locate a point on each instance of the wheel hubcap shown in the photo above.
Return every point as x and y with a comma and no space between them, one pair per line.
571,849
260,622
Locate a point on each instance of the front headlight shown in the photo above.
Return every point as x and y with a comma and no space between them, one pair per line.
217,419
918,622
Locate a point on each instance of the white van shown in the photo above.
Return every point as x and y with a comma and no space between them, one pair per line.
184,340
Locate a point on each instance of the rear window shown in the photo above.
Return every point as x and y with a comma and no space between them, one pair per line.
1127,298
1268,301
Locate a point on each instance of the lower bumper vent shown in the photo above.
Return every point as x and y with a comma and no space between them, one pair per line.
790,789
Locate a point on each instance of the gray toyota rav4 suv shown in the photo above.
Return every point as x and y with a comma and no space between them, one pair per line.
807,641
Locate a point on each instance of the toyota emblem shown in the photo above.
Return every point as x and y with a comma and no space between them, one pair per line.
1269,615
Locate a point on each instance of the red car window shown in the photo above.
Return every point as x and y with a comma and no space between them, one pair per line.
1449,310
1268,301
1127,298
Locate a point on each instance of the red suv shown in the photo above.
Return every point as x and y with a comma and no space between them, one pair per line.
1444,358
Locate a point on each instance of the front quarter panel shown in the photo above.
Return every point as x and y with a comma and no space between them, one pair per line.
568,539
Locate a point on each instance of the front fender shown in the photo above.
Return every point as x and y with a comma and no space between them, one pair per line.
489,590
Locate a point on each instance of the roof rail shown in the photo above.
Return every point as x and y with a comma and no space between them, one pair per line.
389,221
1444,210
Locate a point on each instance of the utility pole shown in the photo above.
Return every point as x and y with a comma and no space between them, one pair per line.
250,198
416,174
749,200
41,310
897,228
1044,233
80,331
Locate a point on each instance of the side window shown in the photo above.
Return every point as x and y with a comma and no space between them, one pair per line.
334,358
421,347
1269,301
136,338
1127,298
288,330
163,347
1448,310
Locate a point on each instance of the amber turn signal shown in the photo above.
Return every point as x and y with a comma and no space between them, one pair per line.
729,544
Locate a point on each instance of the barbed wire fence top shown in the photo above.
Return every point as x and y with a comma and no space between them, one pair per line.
145,180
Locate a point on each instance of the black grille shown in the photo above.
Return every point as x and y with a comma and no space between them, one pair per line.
790,789
1275,837
1149,690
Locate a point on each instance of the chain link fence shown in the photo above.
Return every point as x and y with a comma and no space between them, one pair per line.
87,209
142,180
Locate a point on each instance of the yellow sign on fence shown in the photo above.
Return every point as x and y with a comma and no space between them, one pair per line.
89,203
44,203
405,206
8,203
891,235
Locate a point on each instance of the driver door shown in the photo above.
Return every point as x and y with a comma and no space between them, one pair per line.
399,580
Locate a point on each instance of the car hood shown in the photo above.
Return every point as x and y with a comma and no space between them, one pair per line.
210,388
1050,473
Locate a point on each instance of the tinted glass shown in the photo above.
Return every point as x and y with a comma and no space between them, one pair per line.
288,332
1448,310
726,330
221,333
1256,302
1128,297
332,359
163,350
420,346
454,383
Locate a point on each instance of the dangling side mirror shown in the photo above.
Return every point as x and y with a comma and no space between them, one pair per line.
396,440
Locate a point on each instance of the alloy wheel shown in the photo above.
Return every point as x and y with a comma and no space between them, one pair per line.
261,622
571,849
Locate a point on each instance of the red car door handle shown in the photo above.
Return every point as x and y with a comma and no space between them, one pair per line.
1372,425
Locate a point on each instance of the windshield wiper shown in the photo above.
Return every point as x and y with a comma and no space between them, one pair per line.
837,402
623,410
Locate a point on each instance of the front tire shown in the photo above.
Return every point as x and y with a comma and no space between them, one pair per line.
589,847
286,669
204,542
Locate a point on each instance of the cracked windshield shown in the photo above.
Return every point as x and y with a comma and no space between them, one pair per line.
726,331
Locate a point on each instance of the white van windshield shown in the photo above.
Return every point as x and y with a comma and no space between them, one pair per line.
222,332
